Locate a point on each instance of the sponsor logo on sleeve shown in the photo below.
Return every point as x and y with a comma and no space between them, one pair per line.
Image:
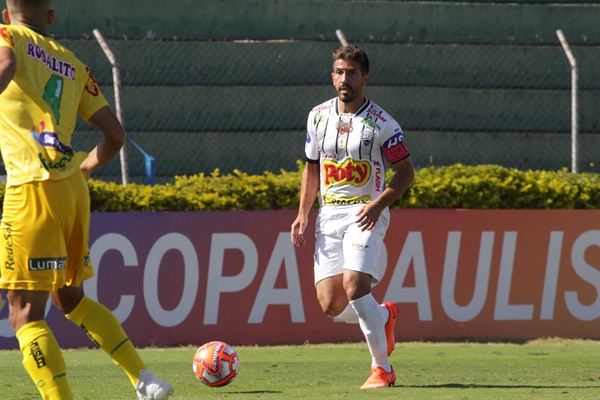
6,35
91,86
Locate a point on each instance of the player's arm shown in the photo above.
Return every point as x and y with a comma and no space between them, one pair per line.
369,214
113,138
8,66
308,192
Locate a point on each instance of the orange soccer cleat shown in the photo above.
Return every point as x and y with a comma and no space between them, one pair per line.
389,326
379,379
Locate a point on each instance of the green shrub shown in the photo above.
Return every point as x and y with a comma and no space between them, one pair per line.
456,186
496,187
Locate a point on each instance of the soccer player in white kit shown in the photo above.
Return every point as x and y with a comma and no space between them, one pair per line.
350,143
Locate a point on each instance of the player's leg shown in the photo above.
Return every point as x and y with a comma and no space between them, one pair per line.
101,326
31,262
42,357
329,269
361,250
99,323
371,315
331,295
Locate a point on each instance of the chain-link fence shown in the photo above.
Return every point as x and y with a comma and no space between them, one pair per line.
200,105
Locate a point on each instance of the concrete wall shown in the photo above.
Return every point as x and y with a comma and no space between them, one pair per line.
404,21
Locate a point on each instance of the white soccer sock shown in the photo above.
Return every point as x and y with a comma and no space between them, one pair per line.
372,318
348,316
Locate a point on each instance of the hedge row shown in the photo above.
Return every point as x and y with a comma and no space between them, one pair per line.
456,186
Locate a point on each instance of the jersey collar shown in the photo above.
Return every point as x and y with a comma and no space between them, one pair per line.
360,110
37,30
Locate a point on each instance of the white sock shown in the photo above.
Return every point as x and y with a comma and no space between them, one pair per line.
372,318
348,316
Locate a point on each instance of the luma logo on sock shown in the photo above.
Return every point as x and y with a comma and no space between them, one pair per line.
43,264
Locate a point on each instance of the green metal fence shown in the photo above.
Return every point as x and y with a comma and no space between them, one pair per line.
200,105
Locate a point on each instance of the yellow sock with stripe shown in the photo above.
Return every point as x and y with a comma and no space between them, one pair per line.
103,328
43,360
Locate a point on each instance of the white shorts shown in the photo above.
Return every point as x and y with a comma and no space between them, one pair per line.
340,244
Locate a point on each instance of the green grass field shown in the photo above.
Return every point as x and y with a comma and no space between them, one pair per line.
542,369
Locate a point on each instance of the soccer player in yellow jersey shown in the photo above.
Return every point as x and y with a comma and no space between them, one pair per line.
46,215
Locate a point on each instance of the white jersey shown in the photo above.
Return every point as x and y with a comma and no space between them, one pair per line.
354,151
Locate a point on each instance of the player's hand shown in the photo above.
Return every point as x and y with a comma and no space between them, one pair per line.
297,233
368,216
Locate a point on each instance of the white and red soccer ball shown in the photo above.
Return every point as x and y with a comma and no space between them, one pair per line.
216,364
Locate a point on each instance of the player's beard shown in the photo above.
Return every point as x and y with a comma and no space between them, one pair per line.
348,96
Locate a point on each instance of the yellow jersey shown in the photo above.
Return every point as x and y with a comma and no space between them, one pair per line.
38,109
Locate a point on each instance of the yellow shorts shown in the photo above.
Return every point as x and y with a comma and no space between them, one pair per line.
45,230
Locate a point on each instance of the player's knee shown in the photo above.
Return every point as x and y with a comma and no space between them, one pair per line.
67,299
25,307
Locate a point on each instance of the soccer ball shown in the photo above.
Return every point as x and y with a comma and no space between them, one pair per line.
216,364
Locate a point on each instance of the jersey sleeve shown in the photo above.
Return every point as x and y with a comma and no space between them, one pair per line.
311,148
6,37
91,99
393,145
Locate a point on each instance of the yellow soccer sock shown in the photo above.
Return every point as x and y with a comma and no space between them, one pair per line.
103,328
43,360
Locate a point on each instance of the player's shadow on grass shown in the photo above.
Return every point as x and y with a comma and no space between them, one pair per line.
477,386
258,392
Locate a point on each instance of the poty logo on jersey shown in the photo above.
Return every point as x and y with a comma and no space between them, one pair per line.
307,137
49,139
350,172
7,36
61,67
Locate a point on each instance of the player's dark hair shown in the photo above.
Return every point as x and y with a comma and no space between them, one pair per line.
31,5
353,53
